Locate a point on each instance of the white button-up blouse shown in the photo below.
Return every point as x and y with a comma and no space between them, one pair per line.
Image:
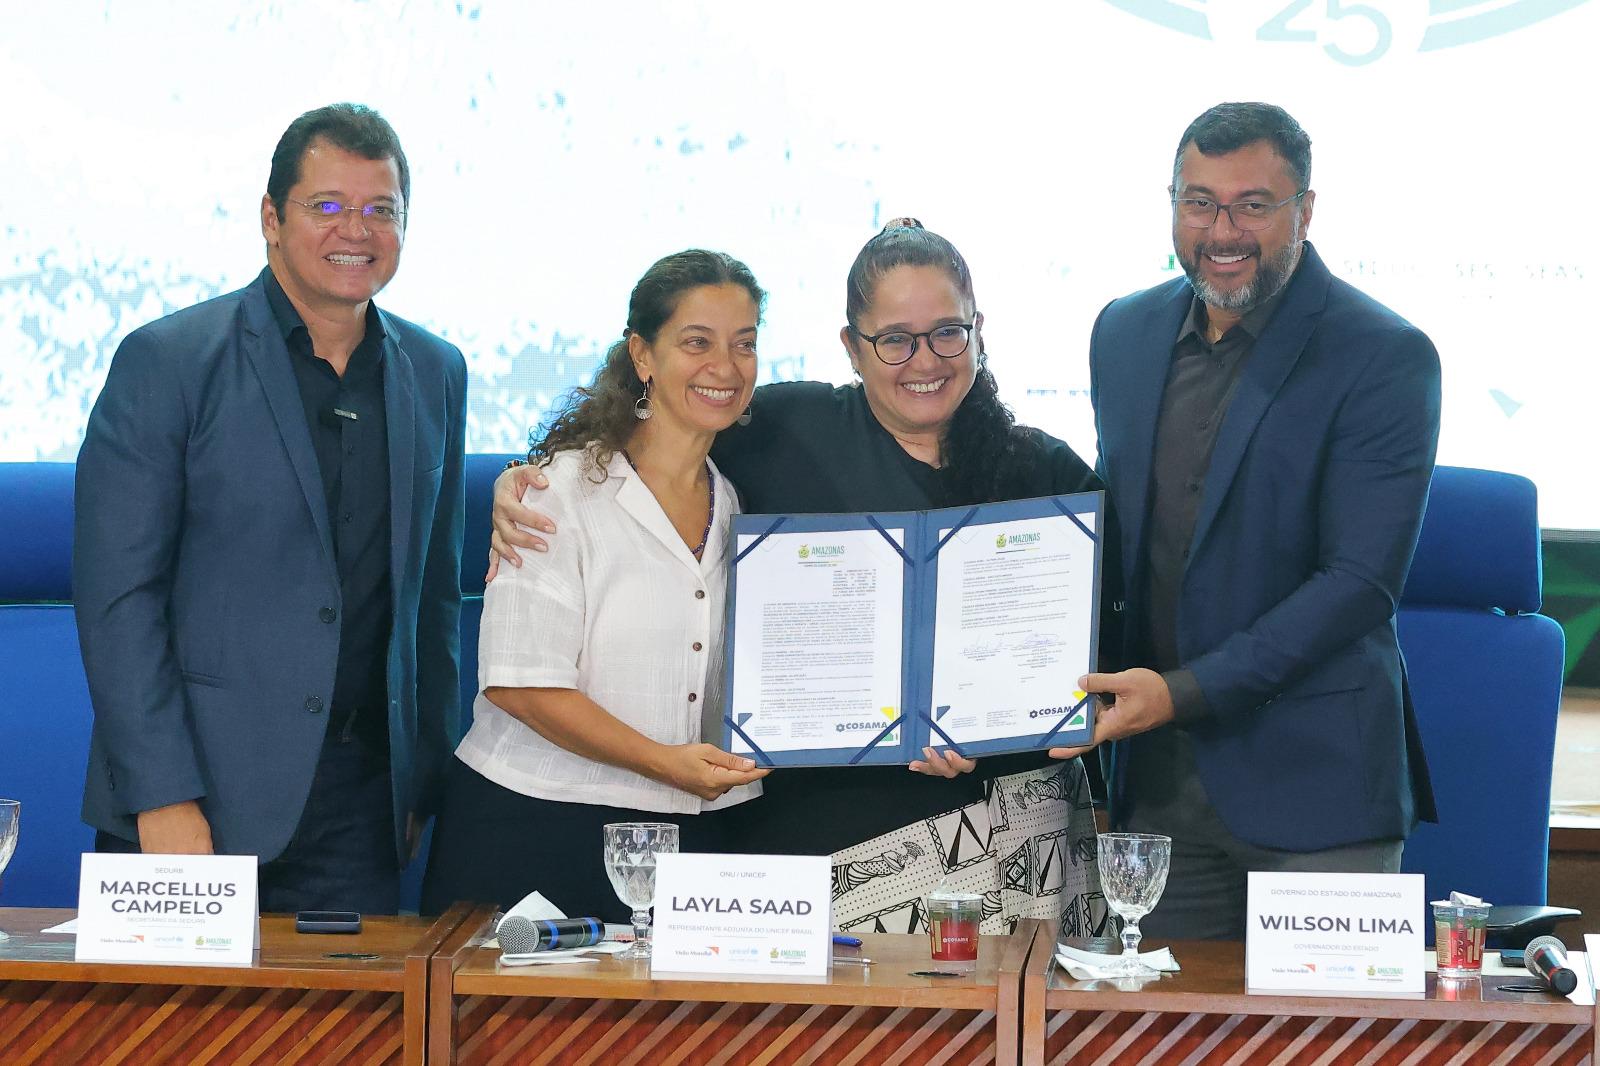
619,609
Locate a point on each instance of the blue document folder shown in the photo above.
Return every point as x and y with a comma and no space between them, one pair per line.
811,596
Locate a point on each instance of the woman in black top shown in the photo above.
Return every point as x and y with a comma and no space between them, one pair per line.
922,428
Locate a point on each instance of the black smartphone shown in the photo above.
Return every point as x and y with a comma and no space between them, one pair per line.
1512,957
327,922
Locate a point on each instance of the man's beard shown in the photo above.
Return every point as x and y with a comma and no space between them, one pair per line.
1272,272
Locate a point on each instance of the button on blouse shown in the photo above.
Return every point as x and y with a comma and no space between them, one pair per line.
605,611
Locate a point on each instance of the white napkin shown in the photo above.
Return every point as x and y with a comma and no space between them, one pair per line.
1095,966
536,908
546,958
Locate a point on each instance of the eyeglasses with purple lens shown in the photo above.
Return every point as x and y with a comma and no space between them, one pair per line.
327,212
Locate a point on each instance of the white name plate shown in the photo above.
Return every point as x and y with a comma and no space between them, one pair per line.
1350,933
743,914
167,908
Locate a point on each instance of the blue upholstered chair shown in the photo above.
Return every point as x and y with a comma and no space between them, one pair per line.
44,699
480,474
45,715
1485,671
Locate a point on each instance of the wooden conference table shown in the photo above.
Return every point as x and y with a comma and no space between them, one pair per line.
1205,1014
614,1013
434,993
297,1003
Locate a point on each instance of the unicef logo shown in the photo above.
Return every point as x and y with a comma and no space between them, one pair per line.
1353,34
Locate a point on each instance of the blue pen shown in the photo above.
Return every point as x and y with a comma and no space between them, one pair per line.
847,941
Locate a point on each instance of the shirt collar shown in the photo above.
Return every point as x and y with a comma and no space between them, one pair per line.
289,320
1254,321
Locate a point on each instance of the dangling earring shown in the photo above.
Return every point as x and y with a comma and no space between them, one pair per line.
641,406
744,417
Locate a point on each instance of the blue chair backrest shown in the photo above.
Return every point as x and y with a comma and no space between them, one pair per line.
480,474
481,470
36,532
45,714
44,699
1485,671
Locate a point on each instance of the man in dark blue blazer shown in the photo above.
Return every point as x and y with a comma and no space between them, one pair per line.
1267,433
266,570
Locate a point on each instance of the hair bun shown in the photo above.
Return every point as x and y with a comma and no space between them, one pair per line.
902,223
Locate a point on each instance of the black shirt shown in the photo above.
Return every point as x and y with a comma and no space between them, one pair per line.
349,431
1200,385
813,448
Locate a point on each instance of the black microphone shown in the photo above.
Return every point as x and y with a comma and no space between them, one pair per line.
520,936
329,416
1546,959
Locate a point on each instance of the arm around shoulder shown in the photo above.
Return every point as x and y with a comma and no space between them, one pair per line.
533,622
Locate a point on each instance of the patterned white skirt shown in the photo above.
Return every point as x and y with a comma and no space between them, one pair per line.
1028,848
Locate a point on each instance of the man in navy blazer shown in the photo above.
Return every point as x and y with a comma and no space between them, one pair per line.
266,569
1267,433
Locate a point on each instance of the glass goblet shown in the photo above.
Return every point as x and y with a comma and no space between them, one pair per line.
630,855
10,817
1133,874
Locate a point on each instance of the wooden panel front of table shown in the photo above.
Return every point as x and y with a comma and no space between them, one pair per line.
615,1013
295,1004
1205,1015
1591,958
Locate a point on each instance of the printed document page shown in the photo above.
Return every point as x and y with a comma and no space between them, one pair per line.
1014,611
817,640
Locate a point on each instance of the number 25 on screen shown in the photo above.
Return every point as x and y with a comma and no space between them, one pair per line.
1278,29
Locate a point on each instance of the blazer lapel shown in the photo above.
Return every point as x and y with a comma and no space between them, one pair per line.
1150,350
400,410
1274,357
264,347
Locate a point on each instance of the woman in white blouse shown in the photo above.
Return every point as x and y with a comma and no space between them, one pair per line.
600,658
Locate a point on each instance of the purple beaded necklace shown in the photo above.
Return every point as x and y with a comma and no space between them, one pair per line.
711,503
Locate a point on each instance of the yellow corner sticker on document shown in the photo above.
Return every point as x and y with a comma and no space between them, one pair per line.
888,712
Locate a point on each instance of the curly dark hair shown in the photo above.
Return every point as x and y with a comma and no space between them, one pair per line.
601,413
985,455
